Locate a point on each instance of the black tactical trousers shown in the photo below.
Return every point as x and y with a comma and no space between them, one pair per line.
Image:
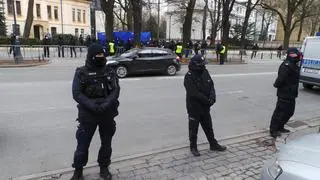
84,136
283,112
206,124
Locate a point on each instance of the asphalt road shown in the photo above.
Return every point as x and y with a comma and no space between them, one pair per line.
37,117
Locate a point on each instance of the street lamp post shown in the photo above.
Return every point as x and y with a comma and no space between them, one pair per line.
158,21
170,27
16,50
61,16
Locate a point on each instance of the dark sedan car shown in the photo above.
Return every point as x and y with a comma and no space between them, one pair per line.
145,60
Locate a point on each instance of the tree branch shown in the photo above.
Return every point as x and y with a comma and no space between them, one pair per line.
121,20
266,6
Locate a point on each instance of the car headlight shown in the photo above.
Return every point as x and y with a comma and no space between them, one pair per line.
275,170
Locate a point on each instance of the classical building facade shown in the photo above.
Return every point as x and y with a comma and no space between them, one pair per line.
73,17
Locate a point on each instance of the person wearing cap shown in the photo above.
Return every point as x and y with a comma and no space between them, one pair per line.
96,89
287,84
201,96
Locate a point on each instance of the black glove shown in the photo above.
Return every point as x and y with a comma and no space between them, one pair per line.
102,107
211,101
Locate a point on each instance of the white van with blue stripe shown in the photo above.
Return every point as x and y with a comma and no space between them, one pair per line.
310,65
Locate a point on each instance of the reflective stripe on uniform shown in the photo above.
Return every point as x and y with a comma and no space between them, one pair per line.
179,49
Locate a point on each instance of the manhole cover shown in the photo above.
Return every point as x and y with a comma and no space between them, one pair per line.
296,124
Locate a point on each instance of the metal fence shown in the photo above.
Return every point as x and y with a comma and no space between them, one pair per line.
41,52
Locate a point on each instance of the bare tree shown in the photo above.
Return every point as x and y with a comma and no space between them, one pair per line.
127,18
249,8
187,24
204,20
107,7
215,20
227,6
287,11
137,17
29,20
304,12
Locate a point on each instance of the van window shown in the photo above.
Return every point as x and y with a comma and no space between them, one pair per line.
312,49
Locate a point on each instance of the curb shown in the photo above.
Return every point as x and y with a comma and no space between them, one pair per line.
226,141
309,123
25,65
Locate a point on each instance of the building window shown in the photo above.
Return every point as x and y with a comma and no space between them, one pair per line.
56,16
76,32
79,15
10,6
38,10
84,16
18,29
18,7
49,12
82,31
53,31
73,15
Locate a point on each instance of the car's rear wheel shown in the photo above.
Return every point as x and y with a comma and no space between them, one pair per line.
121,71
171,70
307,86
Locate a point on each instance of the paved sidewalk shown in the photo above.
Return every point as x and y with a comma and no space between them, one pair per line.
243,160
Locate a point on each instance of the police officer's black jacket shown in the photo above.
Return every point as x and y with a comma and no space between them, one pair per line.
93,87
287,81
200,91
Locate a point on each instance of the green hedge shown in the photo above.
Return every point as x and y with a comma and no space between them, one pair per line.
66,39
23,41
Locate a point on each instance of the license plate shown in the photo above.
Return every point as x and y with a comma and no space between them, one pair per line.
313,71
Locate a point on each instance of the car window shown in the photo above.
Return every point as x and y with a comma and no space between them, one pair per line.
145,53
158,52
129,53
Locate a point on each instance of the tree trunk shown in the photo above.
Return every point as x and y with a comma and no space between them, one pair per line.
29,20
107,7
204,20
227,6
287,28
300,30
129,16
245,25
137,17
187,25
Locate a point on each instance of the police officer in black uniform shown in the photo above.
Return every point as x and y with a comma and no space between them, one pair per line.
96,90
287,84
200,97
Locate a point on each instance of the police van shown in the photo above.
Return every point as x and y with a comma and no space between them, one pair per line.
310,65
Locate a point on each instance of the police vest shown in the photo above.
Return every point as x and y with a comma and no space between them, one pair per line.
95,83
223,50
179,49
111,47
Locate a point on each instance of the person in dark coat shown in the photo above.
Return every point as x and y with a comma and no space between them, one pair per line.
255,49
46,43
96,89
204,47
60,46
12,42
73,43
200,97
287,84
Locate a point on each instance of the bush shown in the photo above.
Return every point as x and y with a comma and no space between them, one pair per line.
23,41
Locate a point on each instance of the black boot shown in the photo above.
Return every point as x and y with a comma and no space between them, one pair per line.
105,173
194,149
284,130
275,134
77,174
217,147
